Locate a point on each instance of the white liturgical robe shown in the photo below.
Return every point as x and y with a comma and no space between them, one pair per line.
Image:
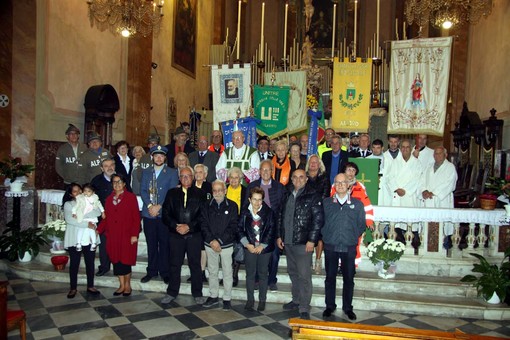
404,175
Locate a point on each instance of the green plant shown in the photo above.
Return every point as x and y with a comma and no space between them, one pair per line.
12,168
498,186
15,242
386,251
493,278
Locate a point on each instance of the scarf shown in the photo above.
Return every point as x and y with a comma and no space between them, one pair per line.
285,169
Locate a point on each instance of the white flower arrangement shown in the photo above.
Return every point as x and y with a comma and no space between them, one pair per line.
386,251
55,228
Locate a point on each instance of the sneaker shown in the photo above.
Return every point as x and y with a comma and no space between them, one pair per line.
210,302
93,247
227,305
167,299
199,300
273,287
290,306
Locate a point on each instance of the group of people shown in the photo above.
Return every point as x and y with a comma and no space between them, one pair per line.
210,204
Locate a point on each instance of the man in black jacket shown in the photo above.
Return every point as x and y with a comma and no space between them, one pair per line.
299,224
219,227
181,213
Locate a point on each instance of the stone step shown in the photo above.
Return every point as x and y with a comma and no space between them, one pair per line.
444,297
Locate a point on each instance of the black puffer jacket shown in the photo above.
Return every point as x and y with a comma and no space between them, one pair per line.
267,227
174,212
308,217
321,184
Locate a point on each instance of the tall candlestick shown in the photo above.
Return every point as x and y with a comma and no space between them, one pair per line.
238,38
226,38
355,26
262,33
285,32
377,32
396,28
345,48
333,33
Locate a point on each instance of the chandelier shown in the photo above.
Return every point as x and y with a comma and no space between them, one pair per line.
446,13
127,17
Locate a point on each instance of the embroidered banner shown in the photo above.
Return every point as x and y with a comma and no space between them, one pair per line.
313,131
247,125
271,107
231,91
351,95
419,85
297,115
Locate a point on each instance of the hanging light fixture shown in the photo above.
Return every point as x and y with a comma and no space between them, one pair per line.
127,17
446,13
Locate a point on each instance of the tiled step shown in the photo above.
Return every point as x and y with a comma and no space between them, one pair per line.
404,294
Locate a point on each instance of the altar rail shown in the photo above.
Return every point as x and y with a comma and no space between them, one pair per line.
477,229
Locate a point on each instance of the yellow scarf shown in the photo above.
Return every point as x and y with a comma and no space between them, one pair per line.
285,169
235,195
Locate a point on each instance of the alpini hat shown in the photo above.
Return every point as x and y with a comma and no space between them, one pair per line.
72,128
93,135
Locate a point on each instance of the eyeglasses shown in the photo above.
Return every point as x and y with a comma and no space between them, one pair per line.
185,176
117,182
341,182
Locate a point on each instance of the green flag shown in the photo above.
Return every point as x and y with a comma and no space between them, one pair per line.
368,175
271,107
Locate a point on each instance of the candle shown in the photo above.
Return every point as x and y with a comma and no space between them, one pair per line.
161,8
238,38
333,33
285,32
262,33
226,38
355,26
396,28
345,48
404,31
377,32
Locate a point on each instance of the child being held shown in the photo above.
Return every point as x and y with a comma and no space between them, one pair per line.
85,203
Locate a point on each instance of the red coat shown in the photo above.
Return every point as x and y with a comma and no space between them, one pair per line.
121,223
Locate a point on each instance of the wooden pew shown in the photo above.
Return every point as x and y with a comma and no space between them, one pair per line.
318,330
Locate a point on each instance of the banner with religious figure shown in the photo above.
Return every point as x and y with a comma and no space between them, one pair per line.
247,125
271,106
419,73
231,91
351,95
297,112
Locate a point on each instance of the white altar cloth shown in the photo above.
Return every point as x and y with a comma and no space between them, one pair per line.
51,196
410,215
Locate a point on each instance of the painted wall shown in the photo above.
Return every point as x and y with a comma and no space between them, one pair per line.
488,82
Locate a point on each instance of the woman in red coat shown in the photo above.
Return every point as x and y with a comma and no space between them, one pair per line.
122,226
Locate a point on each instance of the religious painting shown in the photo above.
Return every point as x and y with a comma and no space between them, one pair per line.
231,88
185,35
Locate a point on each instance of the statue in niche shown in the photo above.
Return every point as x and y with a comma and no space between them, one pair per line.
307,54
309,9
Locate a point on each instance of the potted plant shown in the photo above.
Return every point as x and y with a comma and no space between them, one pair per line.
55,231
12,169
15,243
494,279
384,254
501,188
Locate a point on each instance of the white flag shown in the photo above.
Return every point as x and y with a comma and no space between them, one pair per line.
419,85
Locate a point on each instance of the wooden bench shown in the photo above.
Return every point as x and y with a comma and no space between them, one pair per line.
313,329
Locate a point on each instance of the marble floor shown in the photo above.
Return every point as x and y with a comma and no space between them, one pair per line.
50,315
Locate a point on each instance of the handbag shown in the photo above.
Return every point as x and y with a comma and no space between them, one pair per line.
239,252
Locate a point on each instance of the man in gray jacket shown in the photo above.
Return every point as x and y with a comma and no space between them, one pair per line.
344,222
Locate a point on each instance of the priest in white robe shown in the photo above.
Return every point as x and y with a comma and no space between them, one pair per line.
438,184
421,151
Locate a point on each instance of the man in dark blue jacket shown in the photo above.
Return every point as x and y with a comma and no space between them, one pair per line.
345,221
299,224
219,226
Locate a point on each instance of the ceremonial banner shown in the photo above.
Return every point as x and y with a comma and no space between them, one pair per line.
419,85
247,125
313,132
231,91
271,106
351,95
368,175
296,80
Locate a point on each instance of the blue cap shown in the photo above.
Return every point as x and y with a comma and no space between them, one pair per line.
158,149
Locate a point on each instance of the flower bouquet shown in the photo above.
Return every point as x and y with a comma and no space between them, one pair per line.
12,168
55,229
386,251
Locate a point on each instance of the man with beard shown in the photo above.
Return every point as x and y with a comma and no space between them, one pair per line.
156,181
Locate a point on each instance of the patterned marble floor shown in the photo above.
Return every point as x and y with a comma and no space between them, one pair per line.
50,315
